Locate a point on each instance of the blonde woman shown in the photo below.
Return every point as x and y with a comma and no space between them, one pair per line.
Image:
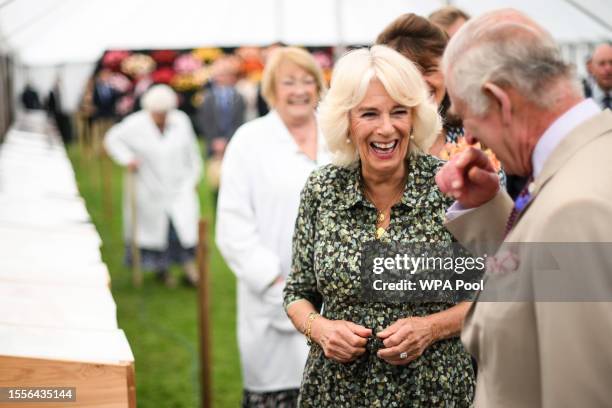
264,169
378,120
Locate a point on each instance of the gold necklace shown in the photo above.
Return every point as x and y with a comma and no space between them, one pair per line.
380,213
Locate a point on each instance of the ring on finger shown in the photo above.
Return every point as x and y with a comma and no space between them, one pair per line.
403,355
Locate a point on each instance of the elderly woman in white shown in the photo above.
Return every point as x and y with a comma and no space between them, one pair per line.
264,169
159,146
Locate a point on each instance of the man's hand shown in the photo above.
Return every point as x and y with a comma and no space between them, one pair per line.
469,177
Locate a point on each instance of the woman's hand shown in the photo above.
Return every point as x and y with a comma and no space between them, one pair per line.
340,340
410,336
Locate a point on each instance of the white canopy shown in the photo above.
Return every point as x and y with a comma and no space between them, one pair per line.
47,33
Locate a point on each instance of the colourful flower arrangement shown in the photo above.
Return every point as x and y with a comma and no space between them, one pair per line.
451,149
163,75
185,82
112,59
186,64
137,65
207,55
120,82
164,57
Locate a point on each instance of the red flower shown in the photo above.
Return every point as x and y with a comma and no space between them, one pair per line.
112,59
163,75
164,56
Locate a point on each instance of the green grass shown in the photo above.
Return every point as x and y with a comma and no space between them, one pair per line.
161,323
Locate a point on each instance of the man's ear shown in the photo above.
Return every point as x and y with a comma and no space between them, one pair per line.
502,99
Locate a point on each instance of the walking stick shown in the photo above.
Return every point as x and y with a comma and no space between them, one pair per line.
136,271
204,315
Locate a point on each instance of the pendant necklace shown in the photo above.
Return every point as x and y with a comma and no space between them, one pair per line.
380,213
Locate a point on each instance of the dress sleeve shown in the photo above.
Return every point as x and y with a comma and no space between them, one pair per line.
237,233
302,281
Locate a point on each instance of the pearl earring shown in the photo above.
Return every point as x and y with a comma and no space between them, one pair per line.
348,140
411,137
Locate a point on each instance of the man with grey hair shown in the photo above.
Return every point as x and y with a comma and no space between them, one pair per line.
600,70
507,81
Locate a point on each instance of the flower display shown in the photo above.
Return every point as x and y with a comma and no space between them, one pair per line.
137,65
324,59
164,57
207,55
202,75
112,59
186,64
125,105
163,75
120,82
251,60
185,82
451,149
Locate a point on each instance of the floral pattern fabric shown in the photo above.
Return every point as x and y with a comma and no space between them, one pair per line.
334,220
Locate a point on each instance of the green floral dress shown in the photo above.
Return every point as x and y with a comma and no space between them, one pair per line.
334,220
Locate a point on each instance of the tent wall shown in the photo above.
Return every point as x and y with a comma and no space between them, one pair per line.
6,94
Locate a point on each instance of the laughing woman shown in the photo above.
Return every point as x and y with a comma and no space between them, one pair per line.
378,120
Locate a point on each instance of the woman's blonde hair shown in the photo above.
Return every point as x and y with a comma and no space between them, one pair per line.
350,81
299,57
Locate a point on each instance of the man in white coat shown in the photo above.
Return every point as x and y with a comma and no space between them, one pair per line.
159,148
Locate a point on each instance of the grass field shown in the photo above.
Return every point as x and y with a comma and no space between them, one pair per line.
160,323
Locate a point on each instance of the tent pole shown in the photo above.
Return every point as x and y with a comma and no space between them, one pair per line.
589,14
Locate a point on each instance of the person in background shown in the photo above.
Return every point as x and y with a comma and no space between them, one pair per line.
450,18
262,105
600,69
423,43
158,146
264,169
508,81
223,108
379,122
104,115
29,97
56,110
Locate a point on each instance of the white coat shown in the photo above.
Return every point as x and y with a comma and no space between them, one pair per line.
166,179
262,175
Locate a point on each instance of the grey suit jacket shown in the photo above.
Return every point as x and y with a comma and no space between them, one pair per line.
209,115
549,354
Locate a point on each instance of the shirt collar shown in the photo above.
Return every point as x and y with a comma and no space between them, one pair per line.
286,137
559,129
597,93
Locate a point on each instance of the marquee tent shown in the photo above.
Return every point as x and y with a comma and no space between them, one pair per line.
73,34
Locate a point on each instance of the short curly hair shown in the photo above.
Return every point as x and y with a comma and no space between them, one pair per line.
350,81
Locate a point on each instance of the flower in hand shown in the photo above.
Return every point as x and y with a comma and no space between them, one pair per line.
411,336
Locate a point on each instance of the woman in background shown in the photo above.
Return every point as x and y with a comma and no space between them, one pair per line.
159,147
264,169
423,43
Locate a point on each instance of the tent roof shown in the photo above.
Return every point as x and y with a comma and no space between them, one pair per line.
49,32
